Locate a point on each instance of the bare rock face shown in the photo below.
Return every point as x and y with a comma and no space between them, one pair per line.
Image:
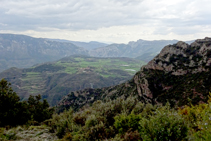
178,59
179,74
175,58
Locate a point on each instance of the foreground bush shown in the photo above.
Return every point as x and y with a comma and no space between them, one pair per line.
165,125
198,118
124,123
130,120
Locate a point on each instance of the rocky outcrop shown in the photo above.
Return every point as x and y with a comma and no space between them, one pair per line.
180,74
181,58
32,133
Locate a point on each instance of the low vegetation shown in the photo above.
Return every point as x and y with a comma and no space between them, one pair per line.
123,119
128,119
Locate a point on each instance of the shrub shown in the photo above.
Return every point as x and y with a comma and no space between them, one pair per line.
123,123
198,118
79,118
68,137
91,121
132,136
165,125
62,124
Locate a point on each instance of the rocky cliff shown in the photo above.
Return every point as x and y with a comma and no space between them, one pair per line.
180,74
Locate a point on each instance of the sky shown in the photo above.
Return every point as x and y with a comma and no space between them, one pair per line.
109,21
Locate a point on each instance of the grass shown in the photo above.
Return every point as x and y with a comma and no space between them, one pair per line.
32,82
32,75
100,65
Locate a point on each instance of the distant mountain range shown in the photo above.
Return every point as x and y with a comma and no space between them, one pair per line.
133,49
23,51
86,45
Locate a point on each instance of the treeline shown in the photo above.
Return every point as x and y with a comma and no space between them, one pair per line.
14,112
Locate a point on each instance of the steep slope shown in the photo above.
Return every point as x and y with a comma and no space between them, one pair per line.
180,74
56,79
24,51
133,49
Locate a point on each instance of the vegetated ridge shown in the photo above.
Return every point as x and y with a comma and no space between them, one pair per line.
180,74
54,80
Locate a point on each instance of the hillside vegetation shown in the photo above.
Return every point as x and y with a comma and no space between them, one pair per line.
55,80
120,120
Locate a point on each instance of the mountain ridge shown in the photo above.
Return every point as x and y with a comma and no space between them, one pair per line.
133,49
24,51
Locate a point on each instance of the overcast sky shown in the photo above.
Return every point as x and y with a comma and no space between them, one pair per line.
117,21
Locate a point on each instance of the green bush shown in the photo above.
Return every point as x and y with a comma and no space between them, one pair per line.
124,123
62,124
132,136
68,137
198,118
91,121
165,125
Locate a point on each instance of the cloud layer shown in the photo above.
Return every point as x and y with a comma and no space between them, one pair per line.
86,19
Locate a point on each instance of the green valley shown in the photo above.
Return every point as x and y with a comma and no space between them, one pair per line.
54,80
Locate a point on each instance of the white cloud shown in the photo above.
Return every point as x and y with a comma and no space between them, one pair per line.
107,20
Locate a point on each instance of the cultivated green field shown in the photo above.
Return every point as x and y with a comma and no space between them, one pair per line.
106,67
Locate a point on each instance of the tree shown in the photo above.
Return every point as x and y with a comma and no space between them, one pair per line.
40,111
9,103
14,112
